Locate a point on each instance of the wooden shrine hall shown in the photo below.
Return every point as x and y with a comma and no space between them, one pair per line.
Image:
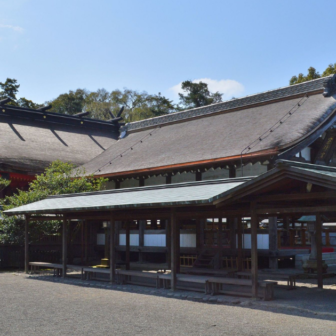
291,189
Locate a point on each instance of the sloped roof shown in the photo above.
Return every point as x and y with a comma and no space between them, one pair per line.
30,145
280,118
192,193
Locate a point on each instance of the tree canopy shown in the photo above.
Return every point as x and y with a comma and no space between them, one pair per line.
138,105
197,95
9,89
58,178
313,74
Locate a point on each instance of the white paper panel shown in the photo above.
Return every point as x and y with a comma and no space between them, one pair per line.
134,239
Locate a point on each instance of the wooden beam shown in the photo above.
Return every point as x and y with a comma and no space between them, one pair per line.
173,227
319,251
128,245
112,249
299,197
64,247
254,250
297,210
27,218
45,218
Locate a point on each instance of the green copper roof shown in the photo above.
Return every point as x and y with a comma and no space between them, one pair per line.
191,193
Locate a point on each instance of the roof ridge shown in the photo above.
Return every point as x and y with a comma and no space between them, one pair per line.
266,96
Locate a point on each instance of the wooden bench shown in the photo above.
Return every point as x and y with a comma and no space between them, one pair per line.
265,288
125,276
164,280
89,271
290,278
35,265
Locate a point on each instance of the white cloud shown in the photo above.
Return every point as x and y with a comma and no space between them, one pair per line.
15,28
229,87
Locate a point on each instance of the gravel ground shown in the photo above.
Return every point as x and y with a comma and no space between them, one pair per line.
36,306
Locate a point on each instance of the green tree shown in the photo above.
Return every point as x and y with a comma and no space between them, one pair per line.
9,90
69,103
23,102
331,70
197,95
58,178
313,74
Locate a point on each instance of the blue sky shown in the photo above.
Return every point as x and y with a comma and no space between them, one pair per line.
240,47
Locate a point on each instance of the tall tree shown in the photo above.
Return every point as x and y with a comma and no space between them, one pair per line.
331,70
58,178
313,74
197,95
23,102
9,89
69,103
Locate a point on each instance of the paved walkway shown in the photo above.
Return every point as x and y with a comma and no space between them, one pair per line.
48,306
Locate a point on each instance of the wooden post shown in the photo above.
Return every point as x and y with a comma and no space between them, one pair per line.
319,251
240,243
232,224
26,243
168,243
127,244
273,242
327,238
254,250
112,249
198,235
64,248
142,226
86,255
174,242
220,244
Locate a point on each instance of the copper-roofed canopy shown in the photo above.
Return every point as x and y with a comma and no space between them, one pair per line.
258,126
192,193
289,189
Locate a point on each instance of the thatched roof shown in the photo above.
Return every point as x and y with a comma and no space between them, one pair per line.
29,145
281,118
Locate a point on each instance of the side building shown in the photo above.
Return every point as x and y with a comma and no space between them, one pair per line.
233,139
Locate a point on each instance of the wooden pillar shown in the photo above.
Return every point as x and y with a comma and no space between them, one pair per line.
319,251
117,184
219,262
127,244
232,224
232,171
174,242
64,247
198,175
141,182
327,235
86,254
27,217
168,243
239,243
106,247
142,226
254,250
273,242
198,235
169,178
112,249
